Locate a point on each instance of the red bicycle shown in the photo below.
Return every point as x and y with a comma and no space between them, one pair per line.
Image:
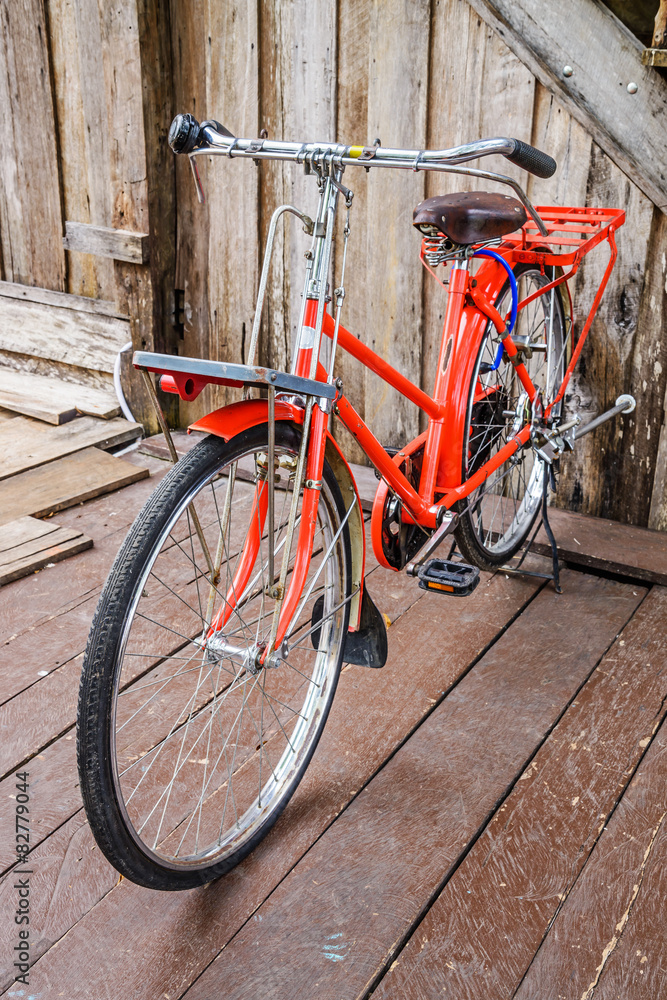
219,637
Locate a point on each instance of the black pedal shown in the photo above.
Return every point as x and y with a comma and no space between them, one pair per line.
446,577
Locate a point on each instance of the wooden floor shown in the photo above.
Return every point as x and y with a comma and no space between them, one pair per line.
484,817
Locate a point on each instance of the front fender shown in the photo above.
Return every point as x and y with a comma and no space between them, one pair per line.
231,420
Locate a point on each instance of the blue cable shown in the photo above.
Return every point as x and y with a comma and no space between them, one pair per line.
515,298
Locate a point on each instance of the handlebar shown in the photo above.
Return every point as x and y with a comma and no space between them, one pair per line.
186,135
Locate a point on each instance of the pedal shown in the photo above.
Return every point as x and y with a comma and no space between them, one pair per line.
448,577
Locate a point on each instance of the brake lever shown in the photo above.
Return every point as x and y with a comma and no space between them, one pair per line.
201,197
347,194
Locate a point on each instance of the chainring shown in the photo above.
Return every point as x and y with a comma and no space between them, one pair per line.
401,540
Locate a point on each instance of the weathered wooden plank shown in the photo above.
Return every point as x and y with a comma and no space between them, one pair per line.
69,874
119,244
106,519
27,545
121,34
458,114
45,704
84,167
618,899
157,325
298,57
623,353
630,127
274,178
561,136
654,311
397,115
65,482
353,59
30,211
63,300
532,853
26,443
484,731
232,85
60,333
394,700
156,446
107,160
22,530
58,371
217,258
53,773
52,400
620,549
309,66
188,23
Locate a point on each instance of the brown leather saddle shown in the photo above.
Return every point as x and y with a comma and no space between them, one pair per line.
469,216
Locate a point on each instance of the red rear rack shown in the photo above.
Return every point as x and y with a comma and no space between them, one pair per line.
575,230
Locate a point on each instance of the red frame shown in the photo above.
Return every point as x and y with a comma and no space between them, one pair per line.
575,231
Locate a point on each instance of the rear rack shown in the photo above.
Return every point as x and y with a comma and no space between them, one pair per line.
576,230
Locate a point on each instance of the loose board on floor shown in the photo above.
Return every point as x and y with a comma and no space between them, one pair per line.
28,544
51,399
66,481
27,443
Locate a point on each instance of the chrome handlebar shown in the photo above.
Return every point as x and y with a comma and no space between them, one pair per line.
186,135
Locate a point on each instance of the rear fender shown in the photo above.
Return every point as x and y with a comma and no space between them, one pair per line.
231,420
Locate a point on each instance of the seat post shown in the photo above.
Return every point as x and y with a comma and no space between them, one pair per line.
458,287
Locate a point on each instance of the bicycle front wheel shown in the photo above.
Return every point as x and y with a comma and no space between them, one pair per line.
497,517
188,749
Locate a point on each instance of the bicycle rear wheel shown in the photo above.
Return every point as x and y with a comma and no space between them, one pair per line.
189,750
497,517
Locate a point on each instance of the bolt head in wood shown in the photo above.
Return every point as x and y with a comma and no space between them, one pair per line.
632,88
567,71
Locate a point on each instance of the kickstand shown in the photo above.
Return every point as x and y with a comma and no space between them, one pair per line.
550,480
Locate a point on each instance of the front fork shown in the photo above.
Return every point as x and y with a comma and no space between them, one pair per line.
311,457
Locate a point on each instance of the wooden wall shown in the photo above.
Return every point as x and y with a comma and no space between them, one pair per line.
86,99
425,73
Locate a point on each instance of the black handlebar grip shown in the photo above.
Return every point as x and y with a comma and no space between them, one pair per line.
184,133
531,159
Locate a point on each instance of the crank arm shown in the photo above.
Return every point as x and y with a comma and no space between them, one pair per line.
446,527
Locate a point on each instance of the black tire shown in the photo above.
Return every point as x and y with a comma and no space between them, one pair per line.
142,664
496,518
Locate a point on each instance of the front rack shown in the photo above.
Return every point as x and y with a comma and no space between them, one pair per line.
188,376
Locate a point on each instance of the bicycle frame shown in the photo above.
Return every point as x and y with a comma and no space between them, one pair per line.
469,315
